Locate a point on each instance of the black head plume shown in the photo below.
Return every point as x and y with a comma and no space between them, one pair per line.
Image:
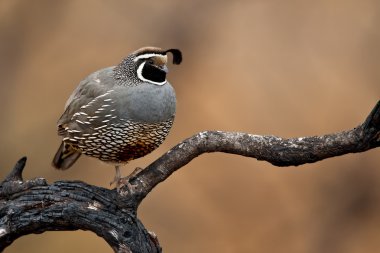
177,55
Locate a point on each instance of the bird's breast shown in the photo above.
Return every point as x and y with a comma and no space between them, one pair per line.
147,102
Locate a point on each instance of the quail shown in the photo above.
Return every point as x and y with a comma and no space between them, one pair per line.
119,113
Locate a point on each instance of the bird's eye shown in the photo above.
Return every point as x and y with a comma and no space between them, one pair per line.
150,61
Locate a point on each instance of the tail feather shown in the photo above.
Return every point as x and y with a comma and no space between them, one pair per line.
65,157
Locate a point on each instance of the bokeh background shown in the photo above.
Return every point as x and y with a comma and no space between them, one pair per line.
288,68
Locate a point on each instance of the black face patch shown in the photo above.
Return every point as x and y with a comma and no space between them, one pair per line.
152,73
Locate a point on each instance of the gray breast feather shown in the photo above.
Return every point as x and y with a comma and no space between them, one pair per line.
146,102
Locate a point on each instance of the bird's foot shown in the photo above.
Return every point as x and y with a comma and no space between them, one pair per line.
116,180
125,181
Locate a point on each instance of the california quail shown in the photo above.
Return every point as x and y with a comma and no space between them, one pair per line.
119,113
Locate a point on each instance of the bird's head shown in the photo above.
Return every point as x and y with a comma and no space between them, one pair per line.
147,64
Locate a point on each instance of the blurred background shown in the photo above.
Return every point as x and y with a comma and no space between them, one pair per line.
288,68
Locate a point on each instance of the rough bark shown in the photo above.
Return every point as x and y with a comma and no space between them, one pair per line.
33,206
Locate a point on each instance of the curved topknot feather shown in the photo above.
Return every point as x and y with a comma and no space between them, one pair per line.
177,55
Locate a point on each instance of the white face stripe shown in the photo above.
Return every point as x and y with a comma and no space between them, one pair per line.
147,56
140,76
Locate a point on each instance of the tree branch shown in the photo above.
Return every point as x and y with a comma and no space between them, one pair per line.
275,150
33,206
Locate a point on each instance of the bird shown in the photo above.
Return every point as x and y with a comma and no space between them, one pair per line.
119,113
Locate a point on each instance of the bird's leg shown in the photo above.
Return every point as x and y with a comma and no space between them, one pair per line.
117,177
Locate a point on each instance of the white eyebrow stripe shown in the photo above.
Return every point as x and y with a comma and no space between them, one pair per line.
147,56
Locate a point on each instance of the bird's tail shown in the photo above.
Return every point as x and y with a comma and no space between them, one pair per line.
65,157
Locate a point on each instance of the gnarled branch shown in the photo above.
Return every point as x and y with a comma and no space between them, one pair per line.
275,150
33,206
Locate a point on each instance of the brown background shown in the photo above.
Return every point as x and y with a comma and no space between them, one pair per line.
287,68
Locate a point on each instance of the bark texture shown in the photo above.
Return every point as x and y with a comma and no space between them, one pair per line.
33,206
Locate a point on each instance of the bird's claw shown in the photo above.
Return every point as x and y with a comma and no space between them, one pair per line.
125,181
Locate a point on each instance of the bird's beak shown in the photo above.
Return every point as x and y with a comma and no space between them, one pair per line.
164,68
